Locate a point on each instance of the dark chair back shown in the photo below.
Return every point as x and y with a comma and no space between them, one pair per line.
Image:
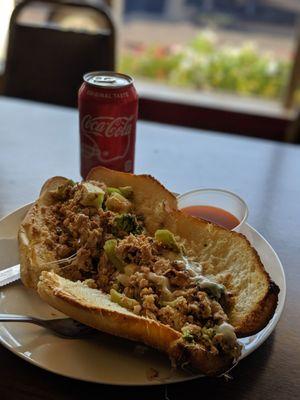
46,63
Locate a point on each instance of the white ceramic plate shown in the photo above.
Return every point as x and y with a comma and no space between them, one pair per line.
102,358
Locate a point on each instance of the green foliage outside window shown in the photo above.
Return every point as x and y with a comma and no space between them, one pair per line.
204,64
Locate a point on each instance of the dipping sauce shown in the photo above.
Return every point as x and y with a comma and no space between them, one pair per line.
213,214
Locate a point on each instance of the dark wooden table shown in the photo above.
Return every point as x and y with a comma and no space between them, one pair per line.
38,141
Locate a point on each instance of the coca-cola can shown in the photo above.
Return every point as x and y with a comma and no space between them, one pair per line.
108,107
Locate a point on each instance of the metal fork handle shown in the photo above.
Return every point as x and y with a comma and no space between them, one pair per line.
21,318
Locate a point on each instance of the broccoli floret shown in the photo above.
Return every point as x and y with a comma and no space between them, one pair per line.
128,223
167,239
187,336
110,251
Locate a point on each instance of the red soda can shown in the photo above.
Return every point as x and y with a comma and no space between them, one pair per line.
108,107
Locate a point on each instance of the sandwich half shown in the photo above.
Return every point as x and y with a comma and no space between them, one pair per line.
115,253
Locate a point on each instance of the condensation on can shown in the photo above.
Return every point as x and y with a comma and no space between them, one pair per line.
108,107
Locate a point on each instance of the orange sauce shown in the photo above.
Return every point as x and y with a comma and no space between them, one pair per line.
213,214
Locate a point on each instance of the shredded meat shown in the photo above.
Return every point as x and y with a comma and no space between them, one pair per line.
178,278
106,273
149,308
136,249
157,278
176,316
162,285
162,266
77,230
218,312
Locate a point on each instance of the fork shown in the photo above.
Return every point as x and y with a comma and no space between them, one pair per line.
64,327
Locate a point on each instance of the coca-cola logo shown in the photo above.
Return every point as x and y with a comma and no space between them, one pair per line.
107,126
102,135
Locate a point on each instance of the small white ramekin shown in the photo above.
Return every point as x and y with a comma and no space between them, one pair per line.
220,198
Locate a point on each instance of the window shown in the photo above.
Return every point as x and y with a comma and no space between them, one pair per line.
230,56
242,47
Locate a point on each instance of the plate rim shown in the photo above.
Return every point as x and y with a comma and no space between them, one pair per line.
269,328
266,332
25,206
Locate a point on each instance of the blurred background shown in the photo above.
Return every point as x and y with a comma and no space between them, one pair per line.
238,58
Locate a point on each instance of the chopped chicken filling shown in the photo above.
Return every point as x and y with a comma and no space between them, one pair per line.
151,276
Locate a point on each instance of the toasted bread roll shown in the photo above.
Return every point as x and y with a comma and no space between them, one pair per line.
94,308
115,221
226,253
151,200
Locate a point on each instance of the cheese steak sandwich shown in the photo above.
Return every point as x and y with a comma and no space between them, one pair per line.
115,253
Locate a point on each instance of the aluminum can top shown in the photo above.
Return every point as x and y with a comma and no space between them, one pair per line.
107,79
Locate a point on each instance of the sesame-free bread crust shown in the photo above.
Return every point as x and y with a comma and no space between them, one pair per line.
94,308
151,198
34,256
221,252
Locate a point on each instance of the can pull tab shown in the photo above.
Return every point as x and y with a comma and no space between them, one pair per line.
104,79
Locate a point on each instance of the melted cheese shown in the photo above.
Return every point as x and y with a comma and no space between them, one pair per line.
203,282
194,268
227,331
162,282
